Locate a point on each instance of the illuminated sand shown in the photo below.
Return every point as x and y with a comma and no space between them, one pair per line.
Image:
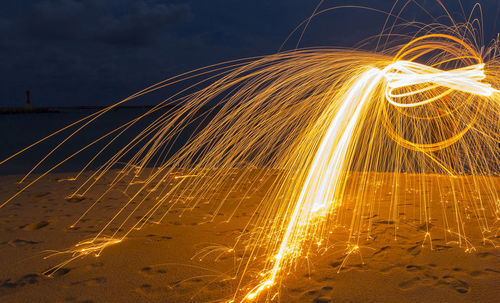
155,264
318,123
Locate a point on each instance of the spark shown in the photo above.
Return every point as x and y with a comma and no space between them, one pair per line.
325,176
303,123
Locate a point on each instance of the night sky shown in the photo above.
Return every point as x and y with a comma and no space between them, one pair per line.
95,52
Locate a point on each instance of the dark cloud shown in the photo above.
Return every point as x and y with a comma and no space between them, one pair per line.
79,52
126,22
141,26
86,51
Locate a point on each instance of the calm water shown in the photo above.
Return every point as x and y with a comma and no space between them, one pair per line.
20,130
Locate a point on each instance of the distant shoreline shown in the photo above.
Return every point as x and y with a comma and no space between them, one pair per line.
58,109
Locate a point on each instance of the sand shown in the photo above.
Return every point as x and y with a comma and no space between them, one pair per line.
155,264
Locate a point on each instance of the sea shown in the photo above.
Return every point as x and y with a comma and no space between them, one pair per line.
20,130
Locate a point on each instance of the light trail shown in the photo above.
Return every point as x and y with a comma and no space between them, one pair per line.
320,192
303,121
327,174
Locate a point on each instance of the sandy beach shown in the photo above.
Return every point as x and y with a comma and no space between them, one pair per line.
161,262
250,152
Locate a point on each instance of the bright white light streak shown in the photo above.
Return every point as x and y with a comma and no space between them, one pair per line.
405,74
327,171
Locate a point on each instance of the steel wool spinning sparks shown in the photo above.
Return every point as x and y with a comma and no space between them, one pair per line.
321,190
306,120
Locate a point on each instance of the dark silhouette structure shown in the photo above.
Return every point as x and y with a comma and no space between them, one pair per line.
28,101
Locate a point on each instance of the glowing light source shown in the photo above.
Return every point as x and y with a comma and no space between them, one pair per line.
304,120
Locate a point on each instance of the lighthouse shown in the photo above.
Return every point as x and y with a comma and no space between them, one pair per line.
27,105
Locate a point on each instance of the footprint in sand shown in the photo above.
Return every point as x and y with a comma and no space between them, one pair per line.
439,247
158,238
149,271
424,276
323,299
146,271
485,255
55,273
41,195
75,199
477,273
35,225
320,295
386,222
458,285
409,283
90,282
150,290
381,250
389,268
8,286
324,296
414,250
492,270
346,265
21,242
413,268
146,287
